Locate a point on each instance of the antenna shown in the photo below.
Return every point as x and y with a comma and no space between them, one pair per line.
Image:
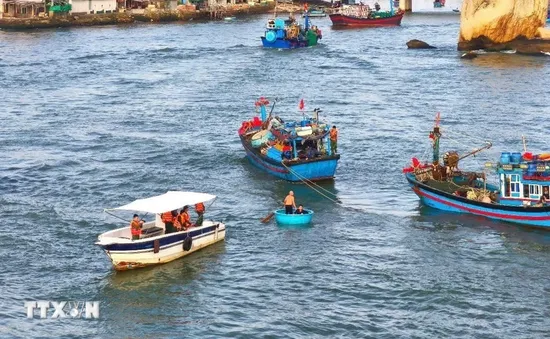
524,144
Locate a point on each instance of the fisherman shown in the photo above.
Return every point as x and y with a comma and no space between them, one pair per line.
289,203
377,6
168,220
199,208
135,227
300,210
545,193
334,139
184,219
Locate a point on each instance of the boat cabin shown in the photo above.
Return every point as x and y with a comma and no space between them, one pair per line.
523,179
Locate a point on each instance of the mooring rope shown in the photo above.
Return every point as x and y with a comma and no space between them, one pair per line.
312,184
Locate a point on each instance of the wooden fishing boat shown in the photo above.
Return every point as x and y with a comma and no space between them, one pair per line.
291,150
361,15
520,196
293,219
288,34
155,246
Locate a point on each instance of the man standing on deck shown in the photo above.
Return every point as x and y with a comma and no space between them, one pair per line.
199,208
333,139
168,221
289,203
135,227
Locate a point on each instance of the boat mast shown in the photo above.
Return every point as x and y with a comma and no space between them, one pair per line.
435,135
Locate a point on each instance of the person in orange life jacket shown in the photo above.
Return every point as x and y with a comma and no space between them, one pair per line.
300,210
184,219
199,208
168,220
333,139
135,227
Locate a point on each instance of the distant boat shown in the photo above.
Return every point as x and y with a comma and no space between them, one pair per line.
363,15
229,18
318,12
456,10
288,34
291,150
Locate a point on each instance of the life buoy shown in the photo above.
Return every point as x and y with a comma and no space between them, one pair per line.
187,243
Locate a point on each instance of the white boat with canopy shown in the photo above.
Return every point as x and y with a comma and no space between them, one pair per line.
155,246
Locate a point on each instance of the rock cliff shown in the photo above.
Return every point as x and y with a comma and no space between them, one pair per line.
493,24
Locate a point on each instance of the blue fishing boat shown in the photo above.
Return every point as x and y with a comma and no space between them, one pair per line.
290,150
288,34
293,219
521,195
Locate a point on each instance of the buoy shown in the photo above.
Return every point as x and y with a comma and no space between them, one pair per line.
270,36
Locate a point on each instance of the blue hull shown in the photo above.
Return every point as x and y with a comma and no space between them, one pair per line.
284,44
533,216
314,170
293,219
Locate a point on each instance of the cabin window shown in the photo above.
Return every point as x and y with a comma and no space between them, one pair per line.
535,190
512,185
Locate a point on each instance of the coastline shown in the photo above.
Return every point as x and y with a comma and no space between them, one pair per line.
128,17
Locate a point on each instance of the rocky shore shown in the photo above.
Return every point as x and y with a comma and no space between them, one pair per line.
148,15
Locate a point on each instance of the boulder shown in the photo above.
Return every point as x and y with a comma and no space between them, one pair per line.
469,55
492,24
418,44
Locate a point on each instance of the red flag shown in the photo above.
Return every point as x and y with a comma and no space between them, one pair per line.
302,105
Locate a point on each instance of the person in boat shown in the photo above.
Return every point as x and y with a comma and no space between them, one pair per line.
183,219
333,139
199,208
287,150
289,203
300,210
168,220
135,227
312,153
546,193
376,6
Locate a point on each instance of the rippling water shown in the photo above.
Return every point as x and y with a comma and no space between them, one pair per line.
96,117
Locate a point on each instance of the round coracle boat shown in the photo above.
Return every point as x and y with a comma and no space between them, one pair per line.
293,219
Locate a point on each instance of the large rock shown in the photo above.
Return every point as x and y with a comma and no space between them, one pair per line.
418,44
493,23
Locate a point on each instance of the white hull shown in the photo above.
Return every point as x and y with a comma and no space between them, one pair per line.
143,254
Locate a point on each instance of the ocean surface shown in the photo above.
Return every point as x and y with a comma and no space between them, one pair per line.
93,118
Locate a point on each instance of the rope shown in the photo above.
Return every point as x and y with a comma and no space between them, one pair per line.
311,184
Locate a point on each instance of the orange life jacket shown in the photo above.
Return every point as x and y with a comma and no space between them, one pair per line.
333,134
135,227
184,219
199,208
167,217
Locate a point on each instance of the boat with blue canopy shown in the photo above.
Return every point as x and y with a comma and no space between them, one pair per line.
293,219
520,196
290,150
289,34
